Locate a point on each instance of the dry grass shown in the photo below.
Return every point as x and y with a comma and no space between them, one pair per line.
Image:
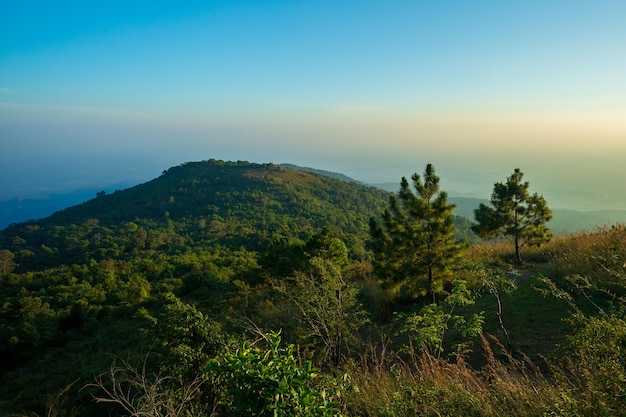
501,252
426,386
598,255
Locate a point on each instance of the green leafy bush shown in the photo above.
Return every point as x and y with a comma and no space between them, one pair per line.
427,328
268,382
596,360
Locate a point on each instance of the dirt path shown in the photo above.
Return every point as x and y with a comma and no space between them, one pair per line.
525,273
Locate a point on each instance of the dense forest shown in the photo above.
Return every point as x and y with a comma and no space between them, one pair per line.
241,289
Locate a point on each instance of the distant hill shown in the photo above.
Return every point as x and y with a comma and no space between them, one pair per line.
233,204
322,172
37,207
563,221
32,207
568,221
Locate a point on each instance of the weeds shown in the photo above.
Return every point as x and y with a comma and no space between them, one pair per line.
425,385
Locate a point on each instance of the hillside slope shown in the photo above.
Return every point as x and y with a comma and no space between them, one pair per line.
163,273
72,284
233,204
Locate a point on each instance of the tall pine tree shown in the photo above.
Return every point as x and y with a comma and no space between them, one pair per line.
414,242
515,213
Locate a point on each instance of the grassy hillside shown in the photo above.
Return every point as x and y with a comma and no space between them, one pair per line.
170,277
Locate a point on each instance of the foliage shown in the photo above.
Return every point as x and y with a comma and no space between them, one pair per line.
415,238
496,283
163,275
595,353
597,359
515,213
427,329
268,382
7,262
185,339
327,307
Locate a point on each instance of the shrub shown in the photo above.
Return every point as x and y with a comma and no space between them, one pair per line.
268,382
597,362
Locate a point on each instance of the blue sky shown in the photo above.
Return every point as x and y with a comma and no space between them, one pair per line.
98,92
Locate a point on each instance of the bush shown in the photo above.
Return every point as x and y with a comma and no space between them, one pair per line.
268,382
597,362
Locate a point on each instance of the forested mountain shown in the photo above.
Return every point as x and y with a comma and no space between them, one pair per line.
203,203
201,230
231,204
167,278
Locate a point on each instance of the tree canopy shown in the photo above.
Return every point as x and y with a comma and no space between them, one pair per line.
515,213
414,242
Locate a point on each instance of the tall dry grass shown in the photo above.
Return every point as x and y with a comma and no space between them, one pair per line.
501,252
423,385
600,255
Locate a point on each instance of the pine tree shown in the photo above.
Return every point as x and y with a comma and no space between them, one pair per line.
516,214
414,240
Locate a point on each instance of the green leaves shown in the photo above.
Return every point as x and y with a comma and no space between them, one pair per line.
268,382
185,339
415,239
427,329
326,306
514,213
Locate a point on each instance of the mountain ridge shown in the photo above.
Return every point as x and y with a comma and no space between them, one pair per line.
232,204
38,207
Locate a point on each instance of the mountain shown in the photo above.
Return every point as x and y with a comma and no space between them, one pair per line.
233,204
159,273
34,207
570,221
322,172
37,206
73,282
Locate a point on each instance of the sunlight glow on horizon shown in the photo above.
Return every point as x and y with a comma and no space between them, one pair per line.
575,132
365,88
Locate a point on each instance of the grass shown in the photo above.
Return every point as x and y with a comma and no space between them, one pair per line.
427,386
537,323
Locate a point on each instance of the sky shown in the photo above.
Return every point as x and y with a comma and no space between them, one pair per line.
95,93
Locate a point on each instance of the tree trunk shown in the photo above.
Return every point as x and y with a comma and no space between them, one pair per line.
518,258
430,284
